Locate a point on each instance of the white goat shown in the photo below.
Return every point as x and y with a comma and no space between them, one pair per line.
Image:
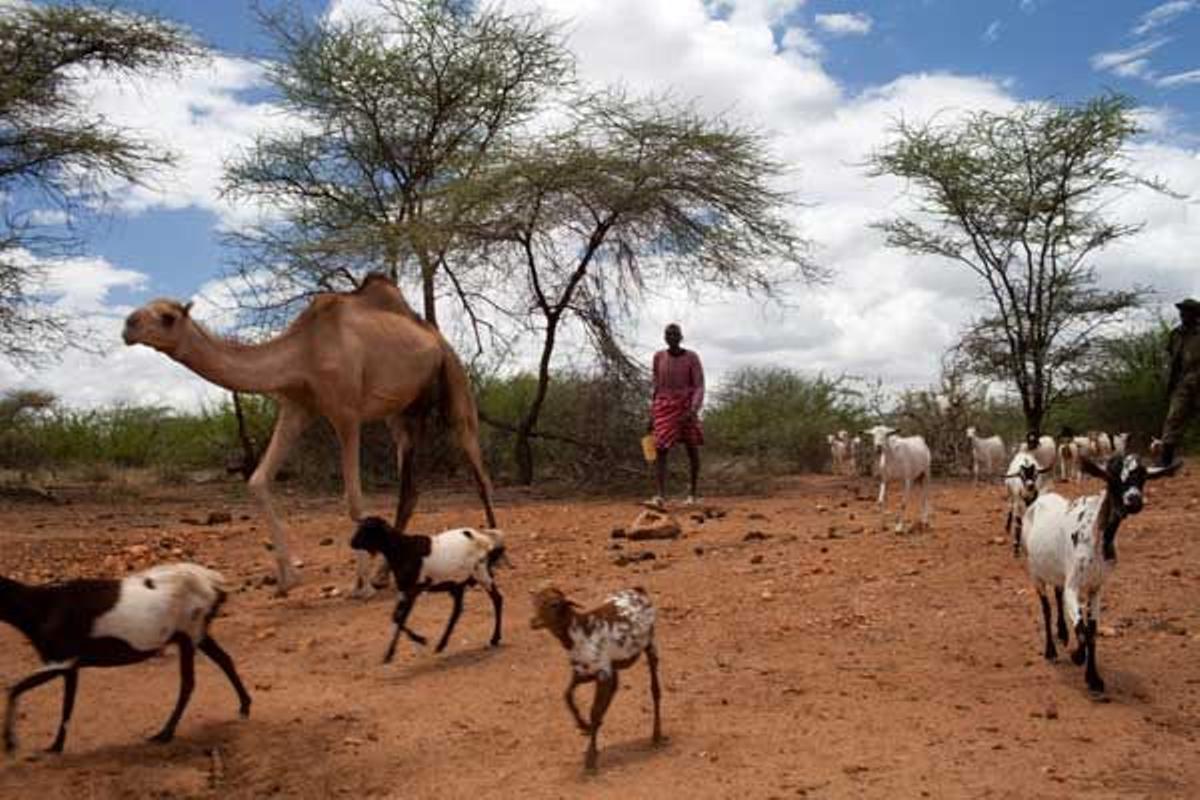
986,453
1022,483
1072,547
838,450
902,458
1120,441
1043,448
1102,444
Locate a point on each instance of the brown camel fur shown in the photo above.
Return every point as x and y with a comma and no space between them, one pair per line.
349,357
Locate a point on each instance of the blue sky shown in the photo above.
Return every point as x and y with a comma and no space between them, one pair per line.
825,77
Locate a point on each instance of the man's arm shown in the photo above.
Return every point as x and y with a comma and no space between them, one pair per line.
697,384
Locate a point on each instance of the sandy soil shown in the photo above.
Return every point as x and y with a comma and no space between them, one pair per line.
824,659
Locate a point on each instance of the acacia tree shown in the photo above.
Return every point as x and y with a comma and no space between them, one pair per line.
1018,199
391,107
56,156
632,193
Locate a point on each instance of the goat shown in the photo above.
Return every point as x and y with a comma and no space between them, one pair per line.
1120,441
601,642
838,450
1102,444
904,458
451,561
1042,448
1071,546
855,453
110,623
1023,483
988,452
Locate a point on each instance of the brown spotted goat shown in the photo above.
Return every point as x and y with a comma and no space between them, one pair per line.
601,642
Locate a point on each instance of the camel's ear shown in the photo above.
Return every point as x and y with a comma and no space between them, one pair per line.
187,308
1093,469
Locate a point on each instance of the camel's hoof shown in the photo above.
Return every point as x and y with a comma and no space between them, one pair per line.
288,579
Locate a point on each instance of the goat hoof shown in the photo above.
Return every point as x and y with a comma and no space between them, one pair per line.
55,748
1051,654
658,740
495,642
244,711
1096,686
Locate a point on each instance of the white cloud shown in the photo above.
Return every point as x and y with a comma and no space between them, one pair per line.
855,24
1116,59
992,33
1163,14
885,313
1178,79
202,116
1028,6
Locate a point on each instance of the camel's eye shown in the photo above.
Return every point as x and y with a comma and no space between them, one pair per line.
168,319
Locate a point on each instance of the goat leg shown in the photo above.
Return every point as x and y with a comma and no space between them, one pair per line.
70,684
187,682
655,691
457,595
606,688
219,657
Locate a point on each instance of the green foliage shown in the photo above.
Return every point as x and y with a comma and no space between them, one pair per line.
1019,199
53,154
589,430
1127,391
779,417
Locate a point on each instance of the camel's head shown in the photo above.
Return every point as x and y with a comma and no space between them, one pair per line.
158,324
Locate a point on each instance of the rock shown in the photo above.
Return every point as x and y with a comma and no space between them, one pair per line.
698,550
652,524
1051,711
190,521
632,558
767,595
218,518
757,559
755,536
326,542
618,533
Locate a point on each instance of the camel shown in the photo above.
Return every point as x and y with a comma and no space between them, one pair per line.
350,357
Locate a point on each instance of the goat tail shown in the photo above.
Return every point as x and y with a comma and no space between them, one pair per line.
497,551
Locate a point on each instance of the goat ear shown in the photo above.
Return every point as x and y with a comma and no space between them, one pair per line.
1154,473
1093,469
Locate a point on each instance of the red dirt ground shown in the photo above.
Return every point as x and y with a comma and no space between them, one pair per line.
826,660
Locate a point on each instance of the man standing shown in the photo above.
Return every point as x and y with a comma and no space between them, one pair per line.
1183,382
675,408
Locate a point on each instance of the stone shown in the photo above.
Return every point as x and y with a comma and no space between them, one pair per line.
755,536
652,524
218,518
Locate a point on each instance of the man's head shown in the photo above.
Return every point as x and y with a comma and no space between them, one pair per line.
1189,311
673,335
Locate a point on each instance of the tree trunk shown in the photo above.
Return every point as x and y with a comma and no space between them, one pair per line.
524,445
249,457
428,273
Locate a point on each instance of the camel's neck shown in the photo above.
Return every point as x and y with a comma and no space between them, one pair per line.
265,367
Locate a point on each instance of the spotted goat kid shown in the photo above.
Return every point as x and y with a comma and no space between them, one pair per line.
601,642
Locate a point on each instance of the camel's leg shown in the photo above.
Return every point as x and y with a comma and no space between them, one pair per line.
293,419
407,432
349,434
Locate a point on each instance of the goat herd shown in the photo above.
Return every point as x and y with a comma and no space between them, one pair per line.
1070,546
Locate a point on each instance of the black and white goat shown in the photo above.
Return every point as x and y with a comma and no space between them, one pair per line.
1072,547
1023,483
110,623
451,561
601,642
